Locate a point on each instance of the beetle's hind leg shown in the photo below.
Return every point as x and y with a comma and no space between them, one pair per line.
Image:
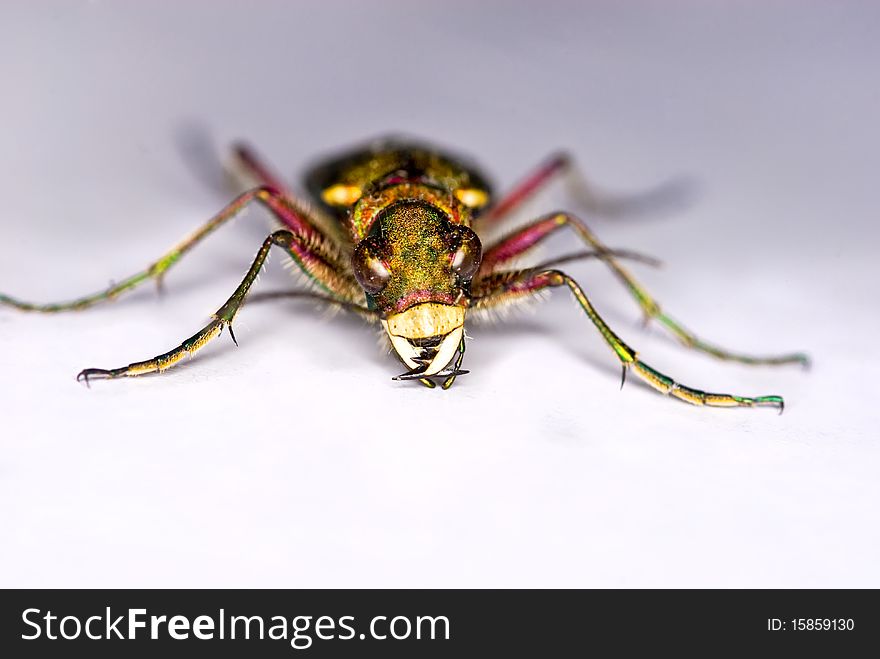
520,242
252,170
507,286
589,197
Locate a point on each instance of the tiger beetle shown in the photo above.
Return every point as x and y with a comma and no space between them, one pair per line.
394,235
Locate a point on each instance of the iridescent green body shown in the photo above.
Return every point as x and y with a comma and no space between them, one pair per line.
395,235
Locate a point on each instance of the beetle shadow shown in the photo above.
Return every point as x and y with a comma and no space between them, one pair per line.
523,331
363,343
362,339
198,149
595,357
357,342
665,199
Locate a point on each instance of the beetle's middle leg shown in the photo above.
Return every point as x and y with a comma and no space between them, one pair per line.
282,207
521,241
311,256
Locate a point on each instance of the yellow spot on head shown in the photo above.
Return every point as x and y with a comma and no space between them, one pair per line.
341,194
472,197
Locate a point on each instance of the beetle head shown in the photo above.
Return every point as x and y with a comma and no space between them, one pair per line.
416,267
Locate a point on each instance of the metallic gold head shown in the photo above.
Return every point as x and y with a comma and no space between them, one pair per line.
415,267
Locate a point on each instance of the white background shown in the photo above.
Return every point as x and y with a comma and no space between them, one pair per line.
294,460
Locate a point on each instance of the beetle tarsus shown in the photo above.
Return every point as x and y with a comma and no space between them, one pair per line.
86,374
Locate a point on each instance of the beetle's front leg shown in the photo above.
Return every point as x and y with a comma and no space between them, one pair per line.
504,287
305,251
520,242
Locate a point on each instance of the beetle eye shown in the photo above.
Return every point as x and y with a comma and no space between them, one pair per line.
466,258
369,269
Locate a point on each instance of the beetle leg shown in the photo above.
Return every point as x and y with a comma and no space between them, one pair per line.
505,286
297,246
250,170
587,196
524,190
257,172
521,241
288,211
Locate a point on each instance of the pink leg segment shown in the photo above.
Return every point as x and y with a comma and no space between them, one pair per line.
258,169
525,189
